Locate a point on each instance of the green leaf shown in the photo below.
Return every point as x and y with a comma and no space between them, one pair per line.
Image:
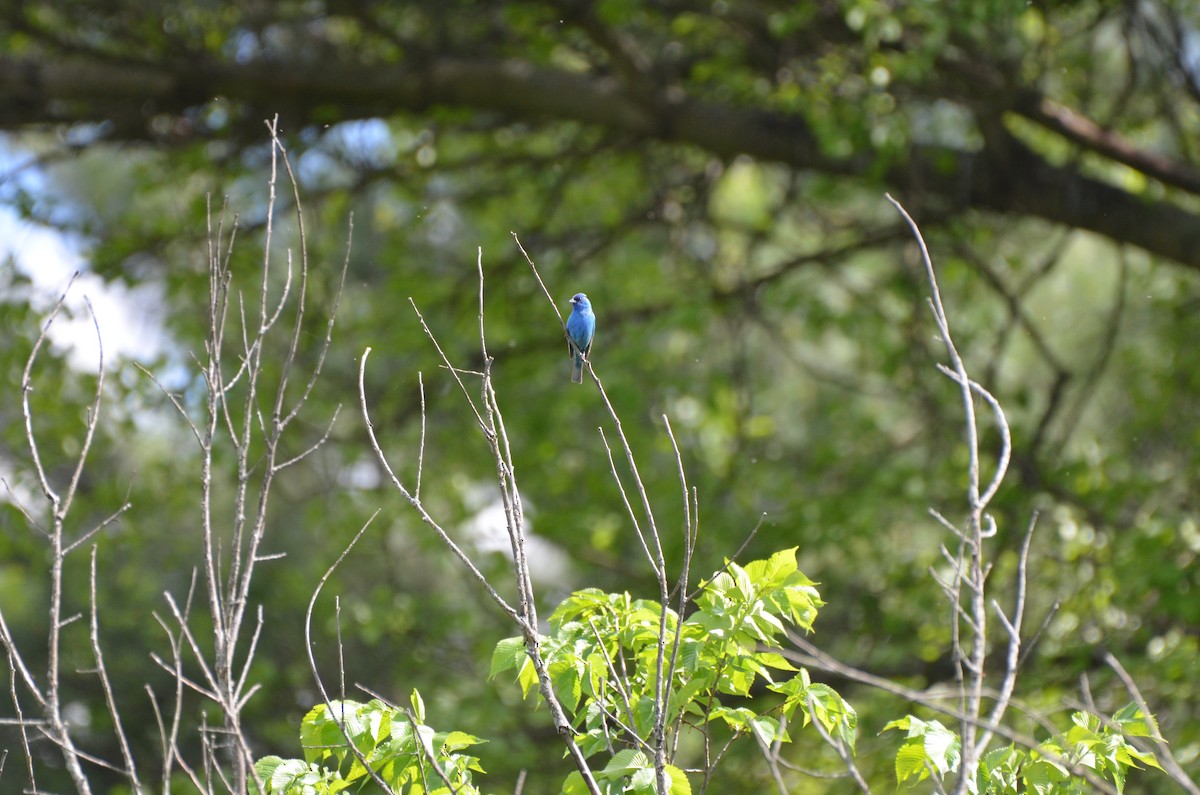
456,741
527,678
574,784
930,743
777,661
835,713
802,604
1140,756
642,782
766,729
910,762
679,781
743,584
320,735
736,718
625,763
1134,722
691,654
1042,776
507,655
568,688
1000,770
597,675
265,768
684,697
943,748
774,569
291,776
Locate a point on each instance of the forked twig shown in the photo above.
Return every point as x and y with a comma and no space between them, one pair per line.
416,503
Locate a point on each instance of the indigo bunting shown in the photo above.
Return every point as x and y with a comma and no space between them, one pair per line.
581,327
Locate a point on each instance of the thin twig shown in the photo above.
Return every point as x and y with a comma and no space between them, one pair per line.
772,763
21,724
130,770
737,554
27,387
454,371
637,526
421,444
837,745
620,685
83,539
339,716
1013,628
57,728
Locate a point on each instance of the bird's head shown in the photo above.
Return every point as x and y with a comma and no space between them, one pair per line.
580,301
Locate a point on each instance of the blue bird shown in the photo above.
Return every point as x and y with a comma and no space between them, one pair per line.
581,327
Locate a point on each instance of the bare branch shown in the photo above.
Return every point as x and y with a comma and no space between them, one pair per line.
655,556
973,575
421,445
612,464
619,682
1170,763
420,508
737,554
92,420
103,524
130,770
16,702
312,448
27,387
454,371
174,402
169,738
1013,628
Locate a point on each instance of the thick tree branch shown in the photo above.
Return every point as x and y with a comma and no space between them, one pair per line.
1007,177
1085,132
1013,179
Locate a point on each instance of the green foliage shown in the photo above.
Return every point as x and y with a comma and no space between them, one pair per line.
1057,766
821,703
394,744
603,656
605,652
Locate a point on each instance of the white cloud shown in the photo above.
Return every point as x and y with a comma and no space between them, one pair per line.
130,318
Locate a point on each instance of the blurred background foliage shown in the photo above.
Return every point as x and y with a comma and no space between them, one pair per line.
771,305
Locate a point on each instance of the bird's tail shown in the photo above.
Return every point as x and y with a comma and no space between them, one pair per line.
577,370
